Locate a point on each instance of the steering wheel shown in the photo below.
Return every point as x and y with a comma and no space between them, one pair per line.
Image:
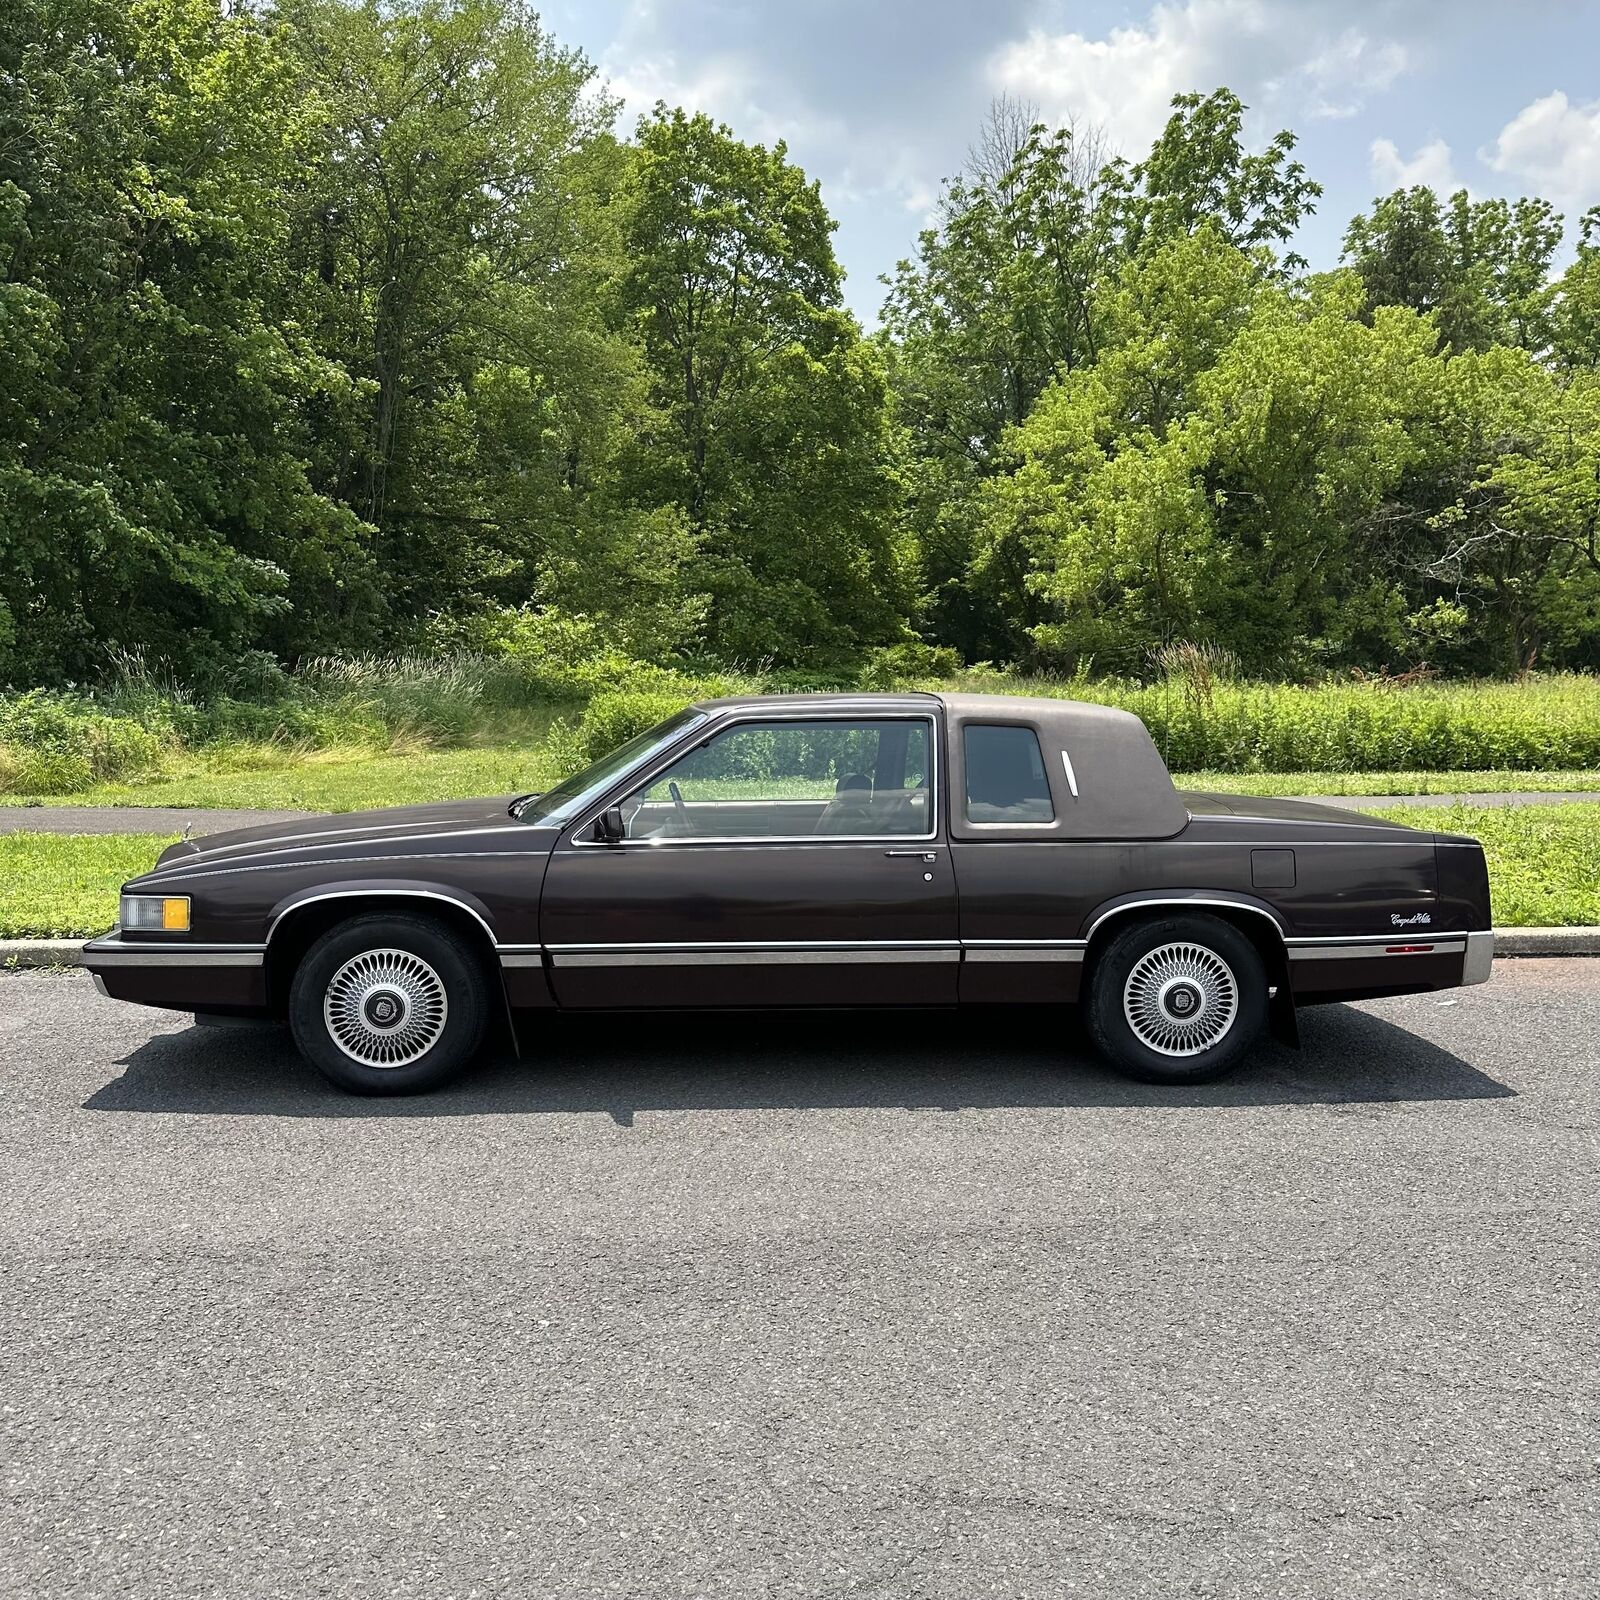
681,810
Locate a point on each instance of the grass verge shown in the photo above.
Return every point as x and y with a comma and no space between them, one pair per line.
59,886
1500,781
1544,861
1544,868
355,780
330,782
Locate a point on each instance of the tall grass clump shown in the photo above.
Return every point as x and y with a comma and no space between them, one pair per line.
1203,718
57,743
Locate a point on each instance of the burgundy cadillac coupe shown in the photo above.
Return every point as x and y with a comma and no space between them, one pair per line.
810,850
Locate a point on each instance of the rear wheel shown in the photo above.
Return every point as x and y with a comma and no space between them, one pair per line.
389,1004
1178,999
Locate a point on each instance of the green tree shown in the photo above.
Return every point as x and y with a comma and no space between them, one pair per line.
772,412
1211,475
456,250
1575,309
1199,175
1003,298
1514,542
153,491
1481,267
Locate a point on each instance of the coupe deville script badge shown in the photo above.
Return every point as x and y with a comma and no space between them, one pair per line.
1407,922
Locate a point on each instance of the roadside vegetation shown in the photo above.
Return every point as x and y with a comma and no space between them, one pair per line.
342,733
1544,868
57,886
606,437
1544,861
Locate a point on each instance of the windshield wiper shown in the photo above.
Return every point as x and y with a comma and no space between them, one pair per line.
522,802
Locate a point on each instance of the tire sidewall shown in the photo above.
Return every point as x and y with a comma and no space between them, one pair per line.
466,991
1108,1023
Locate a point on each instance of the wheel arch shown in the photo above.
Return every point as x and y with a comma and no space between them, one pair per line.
1258,922
302,919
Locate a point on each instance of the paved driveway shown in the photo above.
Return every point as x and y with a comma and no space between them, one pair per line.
885,1308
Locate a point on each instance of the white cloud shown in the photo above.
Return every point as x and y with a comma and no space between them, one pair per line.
1349,69
1430,165
725,87
1553,146
1296,57
863,156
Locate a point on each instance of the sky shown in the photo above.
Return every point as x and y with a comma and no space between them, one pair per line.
880,99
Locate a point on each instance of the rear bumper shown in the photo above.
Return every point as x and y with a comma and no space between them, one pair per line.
1352,967
1479,959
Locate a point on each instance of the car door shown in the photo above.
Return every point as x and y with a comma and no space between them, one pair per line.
786,860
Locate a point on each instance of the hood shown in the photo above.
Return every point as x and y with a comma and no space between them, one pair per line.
1275,809
346,828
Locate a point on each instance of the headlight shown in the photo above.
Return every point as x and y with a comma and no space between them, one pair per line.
152,913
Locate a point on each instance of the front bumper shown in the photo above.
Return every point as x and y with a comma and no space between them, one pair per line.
178,976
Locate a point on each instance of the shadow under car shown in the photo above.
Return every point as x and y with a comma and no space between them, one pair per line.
940,1061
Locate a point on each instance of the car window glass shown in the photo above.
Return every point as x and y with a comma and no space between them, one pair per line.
793,779
1006,779
567,798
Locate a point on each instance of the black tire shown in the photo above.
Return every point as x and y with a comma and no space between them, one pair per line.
407,987
1181,998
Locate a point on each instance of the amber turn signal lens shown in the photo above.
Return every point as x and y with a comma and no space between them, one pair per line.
150,912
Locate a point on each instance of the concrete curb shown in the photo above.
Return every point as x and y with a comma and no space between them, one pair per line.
1547,942
41,953
17,953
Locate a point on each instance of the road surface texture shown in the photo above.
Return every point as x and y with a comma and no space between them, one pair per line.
887,1308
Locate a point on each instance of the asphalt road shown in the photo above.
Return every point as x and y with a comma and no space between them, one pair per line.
905,1307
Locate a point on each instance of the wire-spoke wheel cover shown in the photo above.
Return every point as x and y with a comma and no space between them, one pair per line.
385,1008
1180,999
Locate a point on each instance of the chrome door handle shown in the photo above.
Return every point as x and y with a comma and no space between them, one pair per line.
925,855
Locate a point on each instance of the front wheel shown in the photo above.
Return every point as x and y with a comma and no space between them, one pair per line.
389,1004
1177,1000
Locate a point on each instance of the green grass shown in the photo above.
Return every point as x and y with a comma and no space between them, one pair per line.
1544,861
58,886
139,733
1500,781
1540,724
330,781
1544,869
353,780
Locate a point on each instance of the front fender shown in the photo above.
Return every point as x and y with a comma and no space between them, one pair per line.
385,889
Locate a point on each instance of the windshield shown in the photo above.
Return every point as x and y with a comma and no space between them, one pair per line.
561,804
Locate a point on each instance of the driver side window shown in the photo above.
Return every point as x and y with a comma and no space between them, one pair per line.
793,779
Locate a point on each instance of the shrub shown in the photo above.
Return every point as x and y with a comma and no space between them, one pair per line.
61,743
898,666
612,719
1350,727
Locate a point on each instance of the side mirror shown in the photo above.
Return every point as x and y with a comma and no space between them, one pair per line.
609,827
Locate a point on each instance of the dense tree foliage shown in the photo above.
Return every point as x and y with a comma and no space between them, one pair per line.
1130,416
772,414
360,324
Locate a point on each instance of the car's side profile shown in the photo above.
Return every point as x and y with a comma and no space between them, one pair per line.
810,850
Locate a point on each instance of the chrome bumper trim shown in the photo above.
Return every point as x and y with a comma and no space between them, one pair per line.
1379,949
114,953
1479,960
